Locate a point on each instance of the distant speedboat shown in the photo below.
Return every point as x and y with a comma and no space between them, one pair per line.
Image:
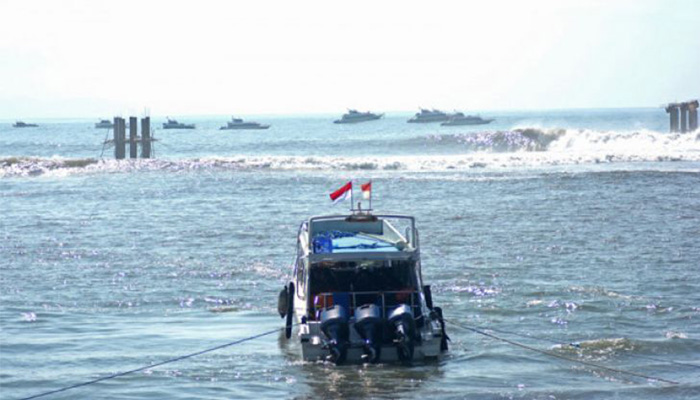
20,124
426,115
354,116
459,118
238,123
104,123
173,124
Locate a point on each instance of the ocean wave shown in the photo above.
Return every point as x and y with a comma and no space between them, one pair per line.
499,149
571,141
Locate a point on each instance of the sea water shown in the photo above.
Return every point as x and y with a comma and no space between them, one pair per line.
575,226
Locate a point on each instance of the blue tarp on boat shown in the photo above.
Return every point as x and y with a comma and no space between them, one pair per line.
347,242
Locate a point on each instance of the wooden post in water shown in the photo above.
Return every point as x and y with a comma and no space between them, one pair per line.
133,144
146,137
693,115
684,117
672,110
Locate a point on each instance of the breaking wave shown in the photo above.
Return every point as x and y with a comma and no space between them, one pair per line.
496,149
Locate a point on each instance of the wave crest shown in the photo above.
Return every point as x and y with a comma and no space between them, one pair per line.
528,147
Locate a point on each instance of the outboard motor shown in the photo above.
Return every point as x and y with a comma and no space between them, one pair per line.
334,324
404,329
368,324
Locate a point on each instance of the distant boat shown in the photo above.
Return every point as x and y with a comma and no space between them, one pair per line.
238,123
173,124
354,116
20,124
459,118
104,123
426,115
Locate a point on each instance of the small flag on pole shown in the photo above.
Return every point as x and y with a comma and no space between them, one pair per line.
342,193
367,190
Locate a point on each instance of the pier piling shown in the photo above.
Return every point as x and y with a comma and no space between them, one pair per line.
683,116
119,139
146,137
672,110
133,143
693,115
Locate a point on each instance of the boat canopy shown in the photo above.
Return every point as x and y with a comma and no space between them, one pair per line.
359,236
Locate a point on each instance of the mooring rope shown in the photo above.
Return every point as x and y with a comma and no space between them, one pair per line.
172,360
577,345
552,354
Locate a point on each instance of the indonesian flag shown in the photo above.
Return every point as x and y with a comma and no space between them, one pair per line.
342,193
367,190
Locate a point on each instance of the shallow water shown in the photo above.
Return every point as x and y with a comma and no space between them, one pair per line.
588,233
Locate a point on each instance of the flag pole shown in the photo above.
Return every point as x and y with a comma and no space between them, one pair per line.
352,197
370,195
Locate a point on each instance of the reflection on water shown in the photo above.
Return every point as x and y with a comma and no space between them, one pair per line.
327,380
370,380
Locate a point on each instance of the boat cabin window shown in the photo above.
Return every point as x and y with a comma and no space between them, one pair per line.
362,276
301,271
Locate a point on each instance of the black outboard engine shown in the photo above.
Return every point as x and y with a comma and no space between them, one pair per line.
368,324
404,329
334,324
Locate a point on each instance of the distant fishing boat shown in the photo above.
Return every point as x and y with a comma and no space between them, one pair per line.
173,124
426,115
354,116
20,124
458,119
238,123
104,123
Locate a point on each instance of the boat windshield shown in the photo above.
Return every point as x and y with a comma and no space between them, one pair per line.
362,276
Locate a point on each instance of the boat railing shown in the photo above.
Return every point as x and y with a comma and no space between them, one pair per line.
386,300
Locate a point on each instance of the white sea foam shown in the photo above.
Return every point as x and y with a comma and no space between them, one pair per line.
496,149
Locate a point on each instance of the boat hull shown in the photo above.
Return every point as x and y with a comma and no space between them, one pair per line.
462,123
423,120
313,346
178,127
357,120
233,128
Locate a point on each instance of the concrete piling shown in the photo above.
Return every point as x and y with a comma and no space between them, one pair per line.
133,141
683,116
146,137
119,139
672,110
693,115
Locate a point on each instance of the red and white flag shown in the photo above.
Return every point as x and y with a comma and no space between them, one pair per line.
367,190
342,193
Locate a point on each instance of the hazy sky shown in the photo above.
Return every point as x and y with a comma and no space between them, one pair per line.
101,58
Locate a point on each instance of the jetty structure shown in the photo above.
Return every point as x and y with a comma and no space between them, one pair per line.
119,139
683,116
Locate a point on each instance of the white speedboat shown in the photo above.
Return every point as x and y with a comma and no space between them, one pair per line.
354,116
426,115
238,123
357,295
458,119
104,123
173,124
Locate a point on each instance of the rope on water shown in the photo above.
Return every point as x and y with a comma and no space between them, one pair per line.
172,360
577,345
552,354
